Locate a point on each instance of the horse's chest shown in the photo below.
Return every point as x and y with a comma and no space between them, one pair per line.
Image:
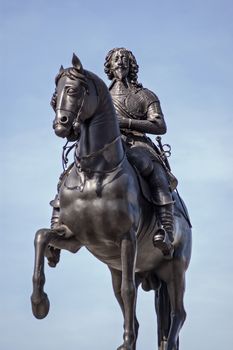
102,210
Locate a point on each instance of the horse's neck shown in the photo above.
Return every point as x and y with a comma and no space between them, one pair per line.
100,144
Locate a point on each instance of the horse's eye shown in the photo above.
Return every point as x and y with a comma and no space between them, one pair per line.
71,91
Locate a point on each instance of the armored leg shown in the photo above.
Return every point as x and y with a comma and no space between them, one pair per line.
163,238
155,175
163,201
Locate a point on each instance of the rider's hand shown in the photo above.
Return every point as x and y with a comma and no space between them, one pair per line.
123,122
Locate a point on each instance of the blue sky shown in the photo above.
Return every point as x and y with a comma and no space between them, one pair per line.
185,53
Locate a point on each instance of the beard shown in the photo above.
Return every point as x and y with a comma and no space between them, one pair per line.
120,73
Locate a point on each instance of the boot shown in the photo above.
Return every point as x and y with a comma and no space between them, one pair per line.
163,238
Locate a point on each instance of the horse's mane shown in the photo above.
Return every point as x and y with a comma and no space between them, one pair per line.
71,73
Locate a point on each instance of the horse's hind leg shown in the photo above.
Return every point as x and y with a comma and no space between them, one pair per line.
176,289
39,299
163,309
116,283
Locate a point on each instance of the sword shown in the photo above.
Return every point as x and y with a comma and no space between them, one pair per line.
164,152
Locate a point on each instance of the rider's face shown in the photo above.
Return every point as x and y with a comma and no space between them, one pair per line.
120,64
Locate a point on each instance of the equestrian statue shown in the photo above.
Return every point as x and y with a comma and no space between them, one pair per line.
118,198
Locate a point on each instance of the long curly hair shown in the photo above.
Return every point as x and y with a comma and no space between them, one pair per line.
133,66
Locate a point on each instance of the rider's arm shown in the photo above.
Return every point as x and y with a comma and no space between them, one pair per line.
153,124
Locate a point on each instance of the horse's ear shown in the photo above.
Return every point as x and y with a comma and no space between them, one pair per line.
61,69
77,63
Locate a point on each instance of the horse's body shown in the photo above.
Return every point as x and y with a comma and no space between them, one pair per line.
102,208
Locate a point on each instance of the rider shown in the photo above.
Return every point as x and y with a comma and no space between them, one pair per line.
138,110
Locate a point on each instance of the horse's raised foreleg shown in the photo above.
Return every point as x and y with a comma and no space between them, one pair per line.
39,299
176,289
116,283
128,289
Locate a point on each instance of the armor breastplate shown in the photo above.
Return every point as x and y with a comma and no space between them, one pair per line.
135,104
134,101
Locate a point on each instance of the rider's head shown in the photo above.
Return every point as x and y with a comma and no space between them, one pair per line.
120,63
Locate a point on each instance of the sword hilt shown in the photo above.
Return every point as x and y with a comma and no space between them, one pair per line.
164,153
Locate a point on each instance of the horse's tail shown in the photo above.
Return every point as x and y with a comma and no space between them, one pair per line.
163,311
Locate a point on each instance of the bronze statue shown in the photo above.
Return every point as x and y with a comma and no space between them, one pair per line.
100,191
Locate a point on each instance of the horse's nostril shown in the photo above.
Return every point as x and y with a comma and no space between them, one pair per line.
64,120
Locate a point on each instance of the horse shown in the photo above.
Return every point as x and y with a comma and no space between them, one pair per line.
103,208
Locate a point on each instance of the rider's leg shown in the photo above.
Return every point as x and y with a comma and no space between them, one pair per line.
163,200
156,177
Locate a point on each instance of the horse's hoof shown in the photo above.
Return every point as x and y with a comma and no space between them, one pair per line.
53,256
40,309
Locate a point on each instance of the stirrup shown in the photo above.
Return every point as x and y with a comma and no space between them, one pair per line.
162,242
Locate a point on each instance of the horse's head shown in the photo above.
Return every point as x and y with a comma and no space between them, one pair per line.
76,99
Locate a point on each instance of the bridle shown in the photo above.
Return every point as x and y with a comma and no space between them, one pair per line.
77,118
66,149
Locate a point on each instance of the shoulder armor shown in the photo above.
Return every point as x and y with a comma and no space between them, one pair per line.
149,96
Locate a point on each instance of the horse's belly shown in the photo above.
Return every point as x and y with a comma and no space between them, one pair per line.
147,256
109,254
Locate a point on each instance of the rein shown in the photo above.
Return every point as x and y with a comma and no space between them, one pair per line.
94,154
66,148
78,160
86,91
79,169
77,119
65,152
